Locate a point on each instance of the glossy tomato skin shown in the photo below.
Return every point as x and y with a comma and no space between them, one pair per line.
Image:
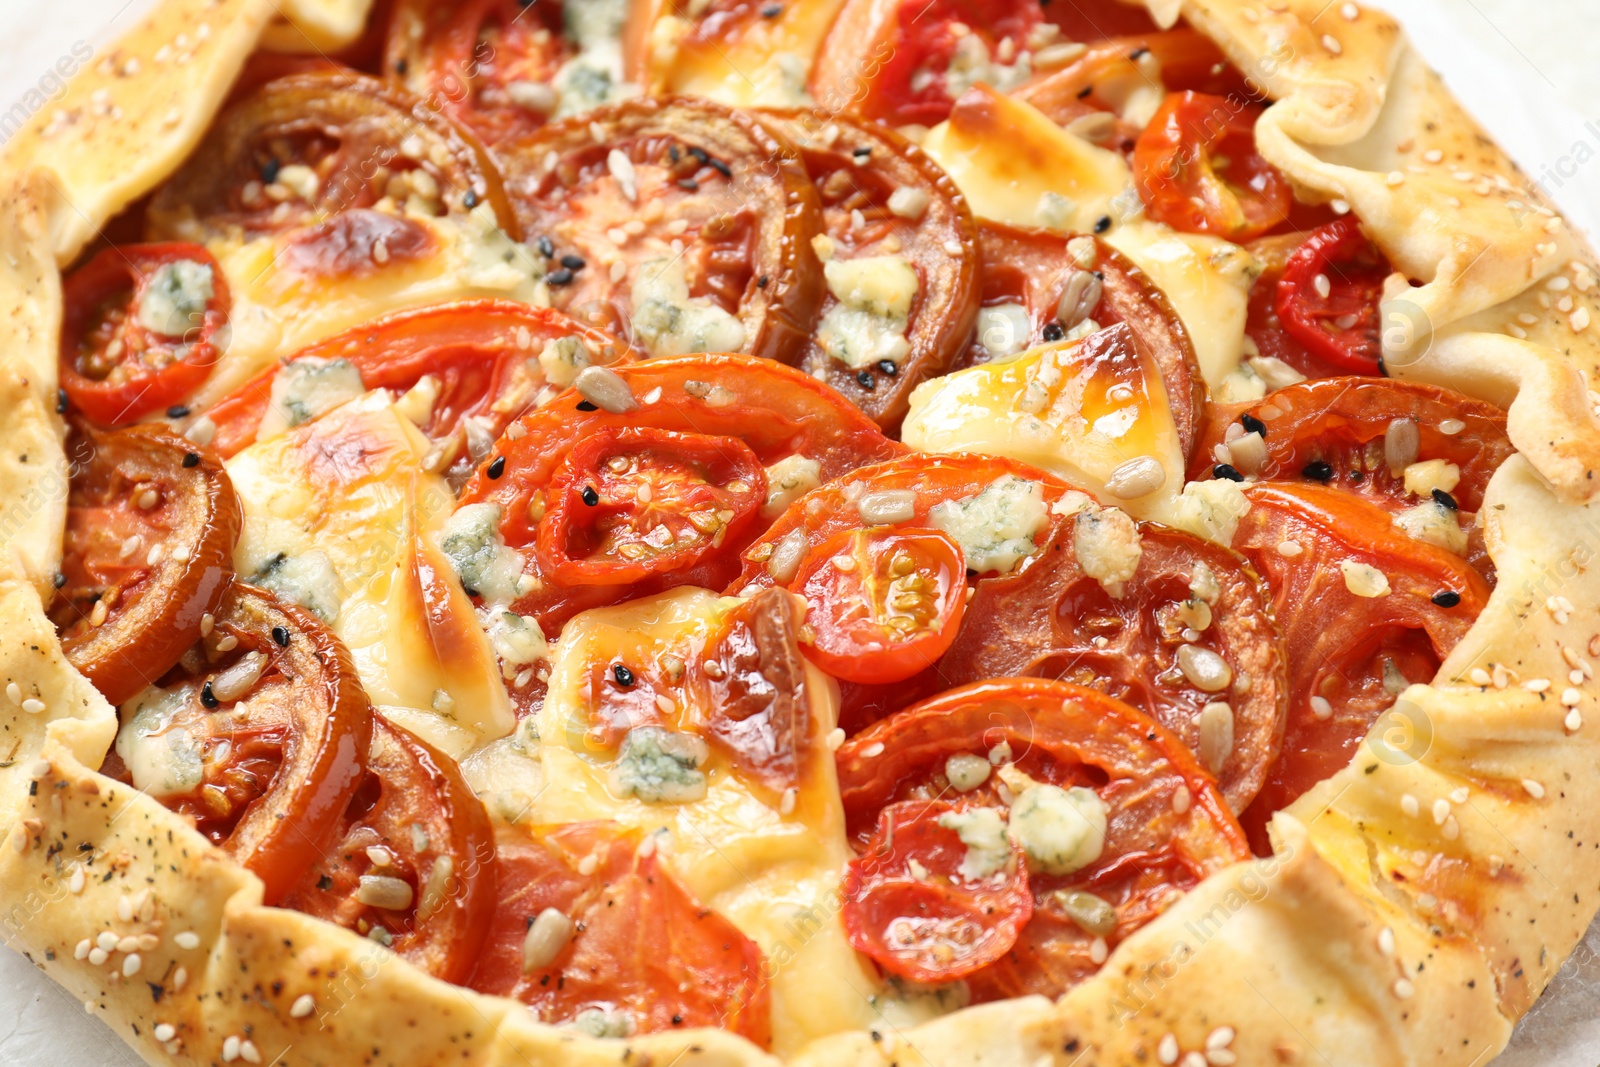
1354,652
117,368
1342,328
708,197
1174,170
641,942
775,411
1051,620
1057,734
127,616
415,810
884,603
477,351
930,923
858,167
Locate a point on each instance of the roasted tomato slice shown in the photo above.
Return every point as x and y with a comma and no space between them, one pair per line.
1039,285
900,305
491,65
1115,818
681,224
627,504
884,602
1363,434
151,526
1328,297
259,735
139,329
793,424
916,905
1197,169
338,157
413,866
488,360
1365,611
588,922
1189,638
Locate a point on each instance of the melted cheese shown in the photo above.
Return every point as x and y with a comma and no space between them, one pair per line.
340,516
277,311
765,65
1018,167
1053,408
775,876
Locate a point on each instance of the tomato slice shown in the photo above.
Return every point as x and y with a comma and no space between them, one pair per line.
1334,430
627,504
412,865
1197,169
139,329
775,411
1350,655
882,197
884,602
1051,620
1035,272
683,225
363,156
931,922
1167,825
270,708
625,938
1328,297
905,61
151,526
488,64
479,353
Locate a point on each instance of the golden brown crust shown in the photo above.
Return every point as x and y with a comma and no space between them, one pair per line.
1281,961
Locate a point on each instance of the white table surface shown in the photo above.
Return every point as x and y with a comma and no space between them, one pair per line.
1530,71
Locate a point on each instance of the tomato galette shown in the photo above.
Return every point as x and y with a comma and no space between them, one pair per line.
823,531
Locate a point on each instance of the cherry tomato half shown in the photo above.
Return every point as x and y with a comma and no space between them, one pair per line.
911,908
139,329
884,603
1197,169
151,527
629,503
632,938
1329,294
414,863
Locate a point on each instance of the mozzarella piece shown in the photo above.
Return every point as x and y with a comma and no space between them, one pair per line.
1058,408
339,515
996,526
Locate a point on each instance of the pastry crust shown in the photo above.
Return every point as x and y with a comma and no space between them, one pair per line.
1419,901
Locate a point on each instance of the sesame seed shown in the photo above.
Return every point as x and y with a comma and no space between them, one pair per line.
1536,685
1386,941
230,1048
1433,155
82,951
1408,804
1479,676
1289,550
304,1005
1098,951
1182,799
33,705
1580,320
1533,788
1571,697
1350,11
1441,811
76,882
187,939
1396,178
98,956
1167,1049
835,739
130,966
165,1032
1331,43
1403,989
1323,287
1573,721
180,978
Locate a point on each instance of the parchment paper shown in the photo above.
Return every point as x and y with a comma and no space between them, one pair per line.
1521,104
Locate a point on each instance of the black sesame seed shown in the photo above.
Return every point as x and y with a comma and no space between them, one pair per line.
690,184
177,411
861,153
1449,598
720,167
677,1020
590,497
401,66
772,11
623,675
1445,499
763,281
269,171
469,199
324,883
1054,331
888,367
191,459
673,153
547,247
572,262
59,580
61,401
1357,477
280,634
1102,224
497,467
1317,471
207,697
1226,470
1085,91
584,405
559,276
699,154
1252,424
865,379
1138,53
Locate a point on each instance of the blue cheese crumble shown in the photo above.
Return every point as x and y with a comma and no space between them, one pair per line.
304,389
670,322
997,526
175,300
471,541
1059,830
868,324
661,766
983,831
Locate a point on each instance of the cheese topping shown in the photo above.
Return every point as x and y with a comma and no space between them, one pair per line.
868,324
670,322
1060,830
997,526
163,759
764,64
594,75
175,298
983,831
306,388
